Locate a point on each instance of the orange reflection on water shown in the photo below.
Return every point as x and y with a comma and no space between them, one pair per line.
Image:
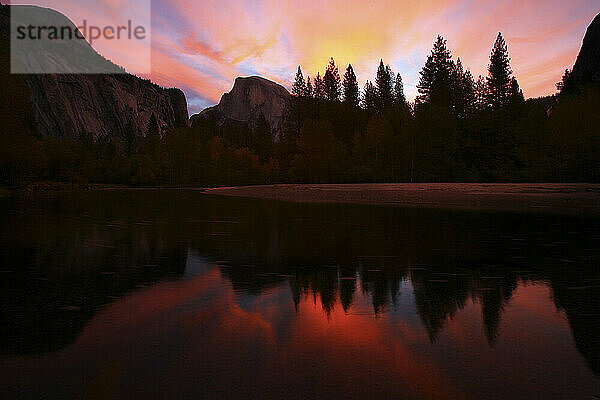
198,338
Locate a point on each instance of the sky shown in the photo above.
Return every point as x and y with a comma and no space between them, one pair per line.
202,46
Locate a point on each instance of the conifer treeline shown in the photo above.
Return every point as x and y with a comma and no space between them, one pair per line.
457,129
443,81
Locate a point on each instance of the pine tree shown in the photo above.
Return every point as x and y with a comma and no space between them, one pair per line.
427,73
385,89
151,142
351,90
435,72
332,82
469,92
499,75
319,90
515,92
566,86
309,88
457,73
480,93
399,97
369,96
299,87
152,128
463,90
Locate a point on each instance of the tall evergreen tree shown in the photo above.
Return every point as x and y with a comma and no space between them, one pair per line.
319,89
566,86
480,93
463,90
457,73
299,86
369,99
385,87
469,92
151,142
332,82
515,93
309,88
351,90
499,75
152,128
435,72
399,97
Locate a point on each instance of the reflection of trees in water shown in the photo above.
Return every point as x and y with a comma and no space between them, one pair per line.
332,252
439,296
95,247
579,297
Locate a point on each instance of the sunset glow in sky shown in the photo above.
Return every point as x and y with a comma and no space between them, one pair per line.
201,46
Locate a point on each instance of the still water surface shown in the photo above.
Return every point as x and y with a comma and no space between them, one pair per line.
176,294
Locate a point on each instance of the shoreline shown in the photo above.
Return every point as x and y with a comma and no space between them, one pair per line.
575,198
43,187
556,198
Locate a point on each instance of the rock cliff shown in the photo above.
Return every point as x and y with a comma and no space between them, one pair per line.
587,66
249,98
65,105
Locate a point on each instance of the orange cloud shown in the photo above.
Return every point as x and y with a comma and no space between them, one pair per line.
198,47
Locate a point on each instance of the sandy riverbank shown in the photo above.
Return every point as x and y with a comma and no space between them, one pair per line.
563,198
